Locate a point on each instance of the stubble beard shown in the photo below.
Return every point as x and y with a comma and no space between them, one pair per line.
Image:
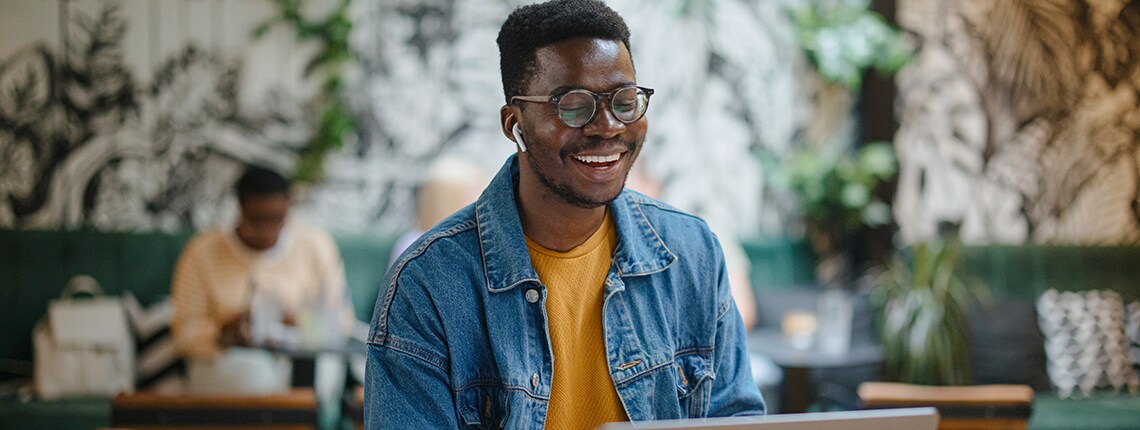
569,195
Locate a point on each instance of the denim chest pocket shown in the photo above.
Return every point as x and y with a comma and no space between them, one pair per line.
484,407
694,376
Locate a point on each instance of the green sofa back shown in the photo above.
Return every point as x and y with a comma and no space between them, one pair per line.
780,263
1011,271
1026,271
35,265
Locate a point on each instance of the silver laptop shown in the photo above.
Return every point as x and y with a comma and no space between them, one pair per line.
877,419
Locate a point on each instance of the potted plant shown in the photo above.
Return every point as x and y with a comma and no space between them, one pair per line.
923,315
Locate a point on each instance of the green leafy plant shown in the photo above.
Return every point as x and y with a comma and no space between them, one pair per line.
333,58
923,315
837,186
844,37
836,192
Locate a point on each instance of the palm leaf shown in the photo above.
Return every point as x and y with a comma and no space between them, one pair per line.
1032,47
1116,47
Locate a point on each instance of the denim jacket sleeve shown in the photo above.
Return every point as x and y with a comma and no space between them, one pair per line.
406,366
410,393
734,392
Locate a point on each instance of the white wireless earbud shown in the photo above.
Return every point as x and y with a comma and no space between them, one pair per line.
519,139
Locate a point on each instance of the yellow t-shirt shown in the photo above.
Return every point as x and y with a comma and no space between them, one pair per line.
582,395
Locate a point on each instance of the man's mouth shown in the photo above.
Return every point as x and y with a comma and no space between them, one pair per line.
598,161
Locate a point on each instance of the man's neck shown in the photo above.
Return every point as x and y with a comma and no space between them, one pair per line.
555,224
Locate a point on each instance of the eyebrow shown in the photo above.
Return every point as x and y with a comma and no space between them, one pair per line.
567,88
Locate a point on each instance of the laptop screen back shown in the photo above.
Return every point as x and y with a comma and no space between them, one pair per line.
879,419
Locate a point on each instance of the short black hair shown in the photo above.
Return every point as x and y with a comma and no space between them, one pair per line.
259,181
534,26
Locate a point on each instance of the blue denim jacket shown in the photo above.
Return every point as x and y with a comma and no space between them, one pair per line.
459,335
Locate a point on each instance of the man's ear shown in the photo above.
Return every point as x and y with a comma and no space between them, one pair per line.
509,119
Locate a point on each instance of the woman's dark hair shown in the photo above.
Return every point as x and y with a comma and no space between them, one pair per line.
259,181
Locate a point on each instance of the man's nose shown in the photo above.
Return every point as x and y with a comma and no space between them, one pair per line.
605,125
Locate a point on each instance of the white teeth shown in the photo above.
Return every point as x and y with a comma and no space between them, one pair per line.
597,158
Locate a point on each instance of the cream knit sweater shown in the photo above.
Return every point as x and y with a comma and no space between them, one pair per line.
216,275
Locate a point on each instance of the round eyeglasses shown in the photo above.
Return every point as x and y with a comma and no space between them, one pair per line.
576,108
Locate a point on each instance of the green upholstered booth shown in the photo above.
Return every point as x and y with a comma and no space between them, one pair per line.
34,265
1007,344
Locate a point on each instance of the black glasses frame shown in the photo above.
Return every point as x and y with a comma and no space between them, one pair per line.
556,98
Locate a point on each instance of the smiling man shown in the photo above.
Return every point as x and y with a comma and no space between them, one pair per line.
560,299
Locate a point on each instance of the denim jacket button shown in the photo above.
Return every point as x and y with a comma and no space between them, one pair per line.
532,296
534,381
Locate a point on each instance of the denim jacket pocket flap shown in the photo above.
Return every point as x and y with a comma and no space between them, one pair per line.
691,371
483,407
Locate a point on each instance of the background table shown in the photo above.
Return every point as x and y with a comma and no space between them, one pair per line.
796,393
305,358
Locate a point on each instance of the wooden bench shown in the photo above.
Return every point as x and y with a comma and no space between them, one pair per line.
294,410
983,407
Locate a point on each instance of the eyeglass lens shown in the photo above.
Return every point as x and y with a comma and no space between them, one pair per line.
577,108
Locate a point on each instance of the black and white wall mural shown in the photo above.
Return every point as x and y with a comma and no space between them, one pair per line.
130,115
137,114
1021,119
1018,118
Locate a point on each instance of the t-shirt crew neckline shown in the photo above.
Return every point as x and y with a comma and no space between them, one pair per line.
590,244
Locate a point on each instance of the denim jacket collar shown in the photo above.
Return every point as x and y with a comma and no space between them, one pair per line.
506,261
